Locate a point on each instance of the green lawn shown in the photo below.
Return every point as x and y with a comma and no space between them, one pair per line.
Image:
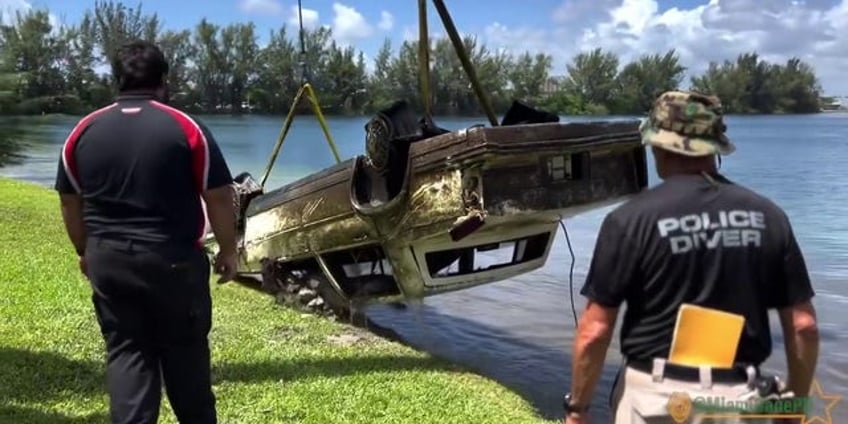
271,364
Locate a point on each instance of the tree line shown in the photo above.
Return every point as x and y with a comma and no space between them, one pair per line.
222,69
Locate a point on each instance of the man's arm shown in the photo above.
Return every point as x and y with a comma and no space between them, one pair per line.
71,205
801,342
217,193
221,213
609,278
792,298
70,198
594,334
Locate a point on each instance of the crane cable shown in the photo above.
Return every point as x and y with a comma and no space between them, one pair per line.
303,78
307,90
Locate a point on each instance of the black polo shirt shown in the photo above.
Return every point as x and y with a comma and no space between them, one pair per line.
689,241
141,166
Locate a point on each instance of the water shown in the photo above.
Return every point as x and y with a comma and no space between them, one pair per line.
519,331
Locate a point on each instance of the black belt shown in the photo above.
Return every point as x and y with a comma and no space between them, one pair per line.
138,246
737,374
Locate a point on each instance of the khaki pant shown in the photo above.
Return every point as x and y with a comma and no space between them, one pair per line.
639,398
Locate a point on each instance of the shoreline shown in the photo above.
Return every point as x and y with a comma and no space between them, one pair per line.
50,341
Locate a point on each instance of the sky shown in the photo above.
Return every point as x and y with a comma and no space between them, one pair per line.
701,31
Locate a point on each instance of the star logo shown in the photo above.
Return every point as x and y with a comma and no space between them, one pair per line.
830,400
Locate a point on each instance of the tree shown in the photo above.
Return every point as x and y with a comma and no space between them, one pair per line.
179,51
9,144
222,69
32,52
115,24
528,75
798,88
380,89
640,82
592,77
752,85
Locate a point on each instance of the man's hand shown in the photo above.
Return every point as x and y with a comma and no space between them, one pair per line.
226,264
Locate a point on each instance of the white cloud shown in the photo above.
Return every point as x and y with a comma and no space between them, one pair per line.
8,9
349,25
310,18
263,7
387,21
814,30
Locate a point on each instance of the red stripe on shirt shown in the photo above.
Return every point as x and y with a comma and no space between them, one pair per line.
199,148
68,159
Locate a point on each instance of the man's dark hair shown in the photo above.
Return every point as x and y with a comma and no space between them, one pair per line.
139,65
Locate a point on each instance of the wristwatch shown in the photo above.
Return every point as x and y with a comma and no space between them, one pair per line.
571,408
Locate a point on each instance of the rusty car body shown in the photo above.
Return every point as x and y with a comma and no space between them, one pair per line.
426,225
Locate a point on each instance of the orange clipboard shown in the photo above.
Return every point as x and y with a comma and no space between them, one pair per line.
705,337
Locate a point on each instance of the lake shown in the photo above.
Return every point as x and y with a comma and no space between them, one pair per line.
519,331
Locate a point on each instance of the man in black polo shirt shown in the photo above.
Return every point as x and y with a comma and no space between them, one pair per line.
137,180
698,239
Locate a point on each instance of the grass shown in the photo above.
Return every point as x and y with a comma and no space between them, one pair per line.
270,364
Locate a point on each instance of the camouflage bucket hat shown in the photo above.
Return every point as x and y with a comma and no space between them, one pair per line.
687,123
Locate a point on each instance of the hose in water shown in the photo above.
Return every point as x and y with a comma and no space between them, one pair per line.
570,272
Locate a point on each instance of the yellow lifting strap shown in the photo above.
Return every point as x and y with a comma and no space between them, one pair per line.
305,89
424,78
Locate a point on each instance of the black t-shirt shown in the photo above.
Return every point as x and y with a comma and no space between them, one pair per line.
141,167
689,241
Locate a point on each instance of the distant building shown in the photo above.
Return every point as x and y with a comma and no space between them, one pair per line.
552,85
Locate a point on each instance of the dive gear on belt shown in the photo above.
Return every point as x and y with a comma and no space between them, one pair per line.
767,387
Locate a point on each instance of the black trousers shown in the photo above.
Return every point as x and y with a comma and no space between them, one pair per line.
155,312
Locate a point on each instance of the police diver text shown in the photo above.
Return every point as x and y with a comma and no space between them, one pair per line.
735,228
